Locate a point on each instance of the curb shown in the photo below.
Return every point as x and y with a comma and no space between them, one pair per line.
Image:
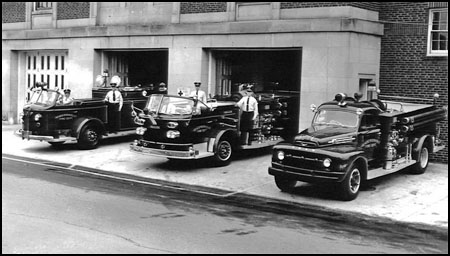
256,202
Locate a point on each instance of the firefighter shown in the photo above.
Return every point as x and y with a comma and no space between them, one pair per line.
115,102
249,112
66,99
198,94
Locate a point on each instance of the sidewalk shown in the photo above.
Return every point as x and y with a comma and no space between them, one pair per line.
415,199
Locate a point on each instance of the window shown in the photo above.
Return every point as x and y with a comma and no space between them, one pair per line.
438,32
42,6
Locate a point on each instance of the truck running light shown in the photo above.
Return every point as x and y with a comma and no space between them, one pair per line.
172,125
280,155
140,130
327,162
37,117
173,134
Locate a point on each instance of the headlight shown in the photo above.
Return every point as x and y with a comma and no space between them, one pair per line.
280,155
37,117
140,130
327,162
173,134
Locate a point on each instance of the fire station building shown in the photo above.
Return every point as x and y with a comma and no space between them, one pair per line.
313,49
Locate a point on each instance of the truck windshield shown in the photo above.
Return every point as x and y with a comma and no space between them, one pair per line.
325,117
154,102
44,97
170,105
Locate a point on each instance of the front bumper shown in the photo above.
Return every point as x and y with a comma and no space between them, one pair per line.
304,174
177,154
29,136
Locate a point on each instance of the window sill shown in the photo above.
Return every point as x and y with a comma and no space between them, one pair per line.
435,58
41,12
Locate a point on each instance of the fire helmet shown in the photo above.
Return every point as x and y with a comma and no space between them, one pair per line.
115,80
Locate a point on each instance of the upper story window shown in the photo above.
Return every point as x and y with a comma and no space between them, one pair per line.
42,6
438,32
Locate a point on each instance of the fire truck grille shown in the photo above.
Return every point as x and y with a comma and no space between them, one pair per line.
306,144
305,162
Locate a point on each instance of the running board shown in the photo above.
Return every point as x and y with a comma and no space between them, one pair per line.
119,134
256,144
400,165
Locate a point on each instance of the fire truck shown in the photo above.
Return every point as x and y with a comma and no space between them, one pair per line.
351,141
84,121
178,127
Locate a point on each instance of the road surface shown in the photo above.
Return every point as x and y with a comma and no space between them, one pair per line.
49,210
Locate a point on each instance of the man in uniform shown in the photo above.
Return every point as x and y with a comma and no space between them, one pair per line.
198,94
249,111
115,103
66,99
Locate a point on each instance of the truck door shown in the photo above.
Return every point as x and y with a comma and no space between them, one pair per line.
369,134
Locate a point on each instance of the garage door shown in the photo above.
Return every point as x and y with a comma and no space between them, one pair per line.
46,66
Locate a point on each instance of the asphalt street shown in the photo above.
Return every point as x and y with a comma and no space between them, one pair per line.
50,210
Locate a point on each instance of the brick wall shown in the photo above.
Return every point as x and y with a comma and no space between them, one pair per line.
72,10
202,7
405,68
373,6
13,12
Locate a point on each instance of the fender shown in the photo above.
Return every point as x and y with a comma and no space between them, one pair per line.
218,134
363,160
80,122
420,143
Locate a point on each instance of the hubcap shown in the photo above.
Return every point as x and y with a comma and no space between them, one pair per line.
355,180
92,135
224,151
424,157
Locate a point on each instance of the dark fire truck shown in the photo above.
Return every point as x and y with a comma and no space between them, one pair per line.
85,121
352,141
179,127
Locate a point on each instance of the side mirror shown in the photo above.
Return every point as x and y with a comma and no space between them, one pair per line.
313,108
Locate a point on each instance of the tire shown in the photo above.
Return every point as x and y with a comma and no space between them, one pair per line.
285,185
89,137
222,156
349,187
423,159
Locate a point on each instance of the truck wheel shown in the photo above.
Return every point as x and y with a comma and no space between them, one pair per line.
223,153
285,185
422,161
89,137
349,187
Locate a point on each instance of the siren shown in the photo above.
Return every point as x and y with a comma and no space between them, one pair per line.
340,97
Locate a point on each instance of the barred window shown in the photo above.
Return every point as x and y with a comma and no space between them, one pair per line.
438,32
42,6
